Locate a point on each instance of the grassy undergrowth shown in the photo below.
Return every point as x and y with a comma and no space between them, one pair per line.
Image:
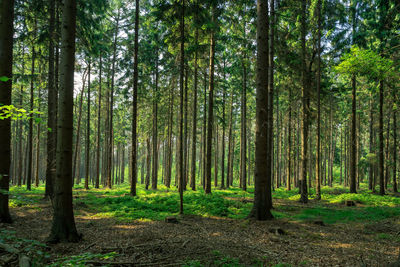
231,203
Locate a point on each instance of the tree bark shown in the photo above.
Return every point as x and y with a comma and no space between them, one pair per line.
262,191
97,177
6,59
51,109
210,120
63,226
381,160
305,109
87,159
194,129
353,145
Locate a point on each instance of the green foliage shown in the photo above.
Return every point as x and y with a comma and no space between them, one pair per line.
14,113
4,79
365,62
35,250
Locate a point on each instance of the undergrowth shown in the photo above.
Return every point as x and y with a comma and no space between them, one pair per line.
231,203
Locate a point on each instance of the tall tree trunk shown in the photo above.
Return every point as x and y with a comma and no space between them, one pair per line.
133,162
289,143
394,150
270,98
210,121
223,132
97,177
154,176
387,154
30,133
381,163
194,129
38,134
371,141
243,134
216,153
87,159
148,164
318,134
229,177
305,109
63,226
111,124
262,191
181,85
353,145
51,109
6,59
185,133
204,156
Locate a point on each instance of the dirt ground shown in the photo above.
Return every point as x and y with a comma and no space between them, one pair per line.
143,243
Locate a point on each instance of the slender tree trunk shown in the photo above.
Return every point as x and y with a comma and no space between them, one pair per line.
181,85
111,126
63,226
318,134
6,59
185,133
51,109
87,159
204,131
395,150
216,153
210,121
30,134
381,163
243,134
289,144
97,177
229,177
387,154
371,141
262,190
194,129
223,132
155,131
353,145
305,109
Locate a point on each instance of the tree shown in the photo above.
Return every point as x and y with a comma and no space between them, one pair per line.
51,109
262,191
305,101
63,225
210,121
6,57
134,104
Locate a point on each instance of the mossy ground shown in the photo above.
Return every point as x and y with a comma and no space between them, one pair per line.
224,206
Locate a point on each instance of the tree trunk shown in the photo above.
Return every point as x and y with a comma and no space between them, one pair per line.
87,159
262,191
6,59
371,141
353,145
30,133
305,109
210,121
381,163
223,132
318,134
181,85
154,176
97,177
63,226
289,143
51,110
394,150
134,155
194,129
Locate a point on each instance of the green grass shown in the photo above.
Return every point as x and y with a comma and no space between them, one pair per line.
164,202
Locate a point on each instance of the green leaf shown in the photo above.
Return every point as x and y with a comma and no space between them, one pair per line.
4,79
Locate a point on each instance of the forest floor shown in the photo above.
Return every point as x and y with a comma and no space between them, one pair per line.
122,231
